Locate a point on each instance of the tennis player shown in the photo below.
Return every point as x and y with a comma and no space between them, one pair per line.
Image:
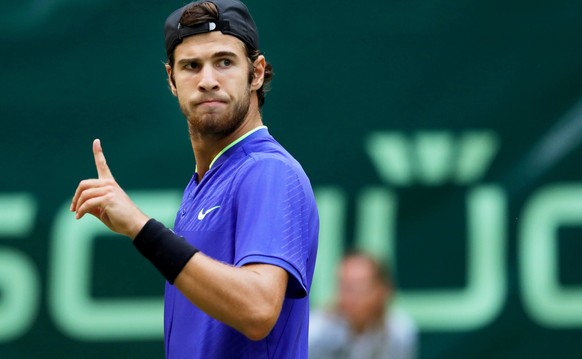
240,259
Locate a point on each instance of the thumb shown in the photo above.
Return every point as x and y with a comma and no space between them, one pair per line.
100,162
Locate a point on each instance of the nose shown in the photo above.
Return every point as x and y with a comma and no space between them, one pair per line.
208,80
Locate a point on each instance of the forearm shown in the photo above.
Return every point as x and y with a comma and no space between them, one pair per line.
248,298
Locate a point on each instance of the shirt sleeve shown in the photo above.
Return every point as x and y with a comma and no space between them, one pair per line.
271,222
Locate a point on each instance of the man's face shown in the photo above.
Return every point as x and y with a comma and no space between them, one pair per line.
211,81
362,296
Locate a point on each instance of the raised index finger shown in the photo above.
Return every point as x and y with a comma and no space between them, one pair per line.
102,169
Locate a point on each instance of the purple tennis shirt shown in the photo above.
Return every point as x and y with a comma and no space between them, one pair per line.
254,205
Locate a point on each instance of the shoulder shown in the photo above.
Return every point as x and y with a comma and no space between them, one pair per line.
328,334
271,154
324,323
271,162
266,150
402,327
270,174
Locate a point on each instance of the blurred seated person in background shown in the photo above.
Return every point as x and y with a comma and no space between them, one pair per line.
362,325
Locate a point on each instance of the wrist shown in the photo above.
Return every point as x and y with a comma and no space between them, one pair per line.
137,226
167,251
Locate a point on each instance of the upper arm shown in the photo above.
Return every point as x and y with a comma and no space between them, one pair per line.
272,280
272,221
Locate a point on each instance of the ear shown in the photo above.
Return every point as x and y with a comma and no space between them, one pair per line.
259,75
170,80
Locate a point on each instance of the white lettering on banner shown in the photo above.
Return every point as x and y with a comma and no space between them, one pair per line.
401,160
19,280
431,158
73,308
550,208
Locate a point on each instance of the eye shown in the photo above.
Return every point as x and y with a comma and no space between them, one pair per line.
225,63
192,65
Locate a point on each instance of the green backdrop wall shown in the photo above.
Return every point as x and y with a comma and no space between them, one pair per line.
445,136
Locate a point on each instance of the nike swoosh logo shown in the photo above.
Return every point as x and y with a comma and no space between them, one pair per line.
203,214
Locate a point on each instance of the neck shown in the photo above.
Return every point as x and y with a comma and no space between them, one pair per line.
206,147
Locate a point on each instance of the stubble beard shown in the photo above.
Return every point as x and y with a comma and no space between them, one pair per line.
217,125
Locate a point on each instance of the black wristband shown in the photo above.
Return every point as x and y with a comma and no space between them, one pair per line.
167,251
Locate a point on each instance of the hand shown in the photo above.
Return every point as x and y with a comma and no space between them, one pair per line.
103,198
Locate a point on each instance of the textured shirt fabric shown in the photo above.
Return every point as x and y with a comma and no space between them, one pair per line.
331,338
254,205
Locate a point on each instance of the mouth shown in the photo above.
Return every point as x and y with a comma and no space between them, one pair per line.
210,102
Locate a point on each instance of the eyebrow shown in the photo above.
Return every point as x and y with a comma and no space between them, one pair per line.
218,54
224,54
